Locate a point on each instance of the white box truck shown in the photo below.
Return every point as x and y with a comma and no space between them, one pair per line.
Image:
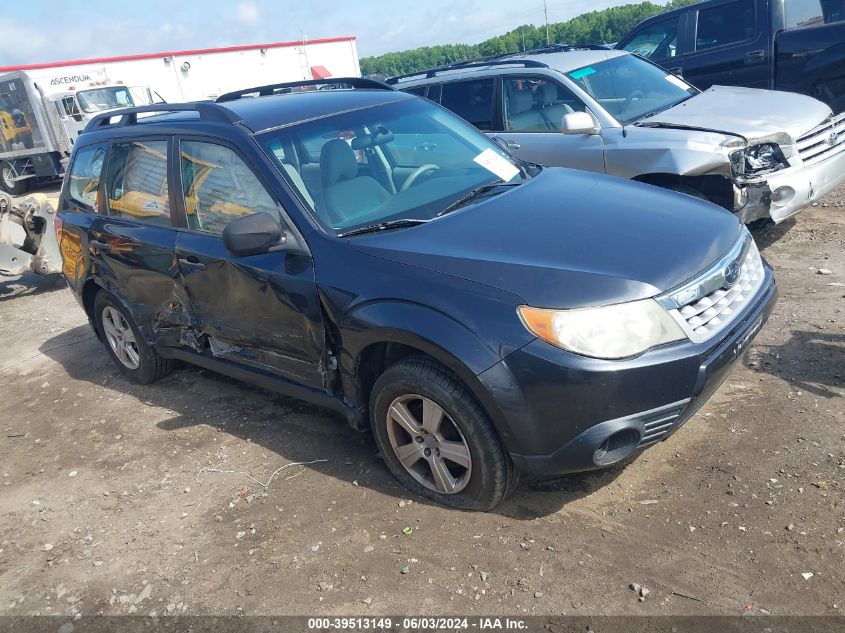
40,120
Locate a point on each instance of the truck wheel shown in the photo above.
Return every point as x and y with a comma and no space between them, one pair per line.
435,438
8,183
135,359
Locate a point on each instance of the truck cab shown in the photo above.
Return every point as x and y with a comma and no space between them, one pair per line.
75,107
791,45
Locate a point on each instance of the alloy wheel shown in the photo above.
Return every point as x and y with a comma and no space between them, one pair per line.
121,338
428,444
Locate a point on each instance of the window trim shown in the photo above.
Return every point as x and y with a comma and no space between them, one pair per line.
101,198
168,175
501,88
181,210
722,47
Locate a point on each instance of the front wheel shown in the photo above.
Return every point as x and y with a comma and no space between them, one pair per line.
135,359
8,182
436,439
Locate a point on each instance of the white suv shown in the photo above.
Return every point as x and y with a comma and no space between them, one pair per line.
759,153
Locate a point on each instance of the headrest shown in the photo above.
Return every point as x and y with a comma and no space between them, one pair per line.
546,94
337,162
520,102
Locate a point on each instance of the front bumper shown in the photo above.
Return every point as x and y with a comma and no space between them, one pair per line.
563,413
787,192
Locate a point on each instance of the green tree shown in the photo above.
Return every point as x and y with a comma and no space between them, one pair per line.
595,27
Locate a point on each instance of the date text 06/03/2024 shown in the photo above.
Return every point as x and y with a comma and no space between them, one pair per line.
415,624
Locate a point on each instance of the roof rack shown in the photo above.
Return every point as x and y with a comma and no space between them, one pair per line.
501,59
472,63
283,88
208,110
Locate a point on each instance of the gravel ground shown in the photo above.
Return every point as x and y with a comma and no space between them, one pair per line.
181,497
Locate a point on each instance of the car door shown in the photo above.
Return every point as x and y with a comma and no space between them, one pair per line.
729,45
533,107
661,41
132,241
260,310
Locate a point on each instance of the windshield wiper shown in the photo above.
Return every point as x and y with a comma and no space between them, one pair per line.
663,109
383,226
473,193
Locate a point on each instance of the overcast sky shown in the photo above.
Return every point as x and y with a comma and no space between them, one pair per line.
54,30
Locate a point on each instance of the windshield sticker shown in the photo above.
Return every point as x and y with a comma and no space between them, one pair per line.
582,72
677,81
493,162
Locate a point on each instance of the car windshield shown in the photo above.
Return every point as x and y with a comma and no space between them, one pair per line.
100,99
407,160
630,88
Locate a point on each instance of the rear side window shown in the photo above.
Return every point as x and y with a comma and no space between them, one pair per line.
84,176
656,41
418,90
137,182
219,187
471,100
725,24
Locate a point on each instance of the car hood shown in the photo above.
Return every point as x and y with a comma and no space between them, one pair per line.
568,239
753,114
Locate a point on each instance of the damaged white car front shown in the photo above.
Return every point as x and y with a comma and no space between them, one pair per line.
778,152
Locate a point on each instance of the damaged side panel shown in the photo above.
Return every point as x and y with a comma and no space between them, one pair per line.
261,310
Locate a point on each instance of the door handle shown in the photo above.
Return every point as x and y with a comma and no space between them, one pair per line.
512,144
755,57
99,247
191,263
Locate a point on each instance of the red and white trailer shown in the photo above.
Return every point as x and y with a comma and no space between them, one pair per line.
203,73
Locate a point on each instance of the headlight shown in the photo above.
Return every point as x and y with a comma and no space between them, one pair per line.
758,160
614,331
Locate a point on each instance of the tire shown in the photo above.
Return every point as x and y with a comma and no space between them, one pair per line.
136,360
481,474
15,188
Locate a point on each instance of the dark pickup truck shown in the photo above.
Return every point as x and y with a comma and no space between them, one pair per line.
792,45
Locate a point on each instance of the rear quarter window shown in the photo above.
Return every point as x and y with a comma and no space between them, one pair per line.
800,13
85,175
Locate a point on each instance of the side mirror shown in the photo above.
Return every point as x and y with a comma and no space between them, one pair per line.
578,123
252,235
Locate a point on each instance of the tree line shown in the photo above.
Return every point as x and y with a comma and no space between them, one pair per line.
595,27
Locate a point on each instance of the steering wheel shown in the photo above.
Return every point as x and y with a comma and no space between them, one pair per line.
414,175
637,94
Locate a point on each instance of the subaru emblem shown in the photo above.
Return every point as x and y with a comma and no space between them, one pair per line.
731,274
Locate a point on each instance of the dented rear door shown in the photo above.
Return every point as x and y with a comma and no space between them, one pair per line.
261,310
133,245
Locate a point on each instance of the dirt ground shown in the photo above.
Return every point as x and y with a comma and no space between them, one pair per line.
183,496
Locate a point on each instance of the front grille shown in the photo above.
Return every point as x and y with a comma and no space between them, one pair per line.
822,142
711,302
659,422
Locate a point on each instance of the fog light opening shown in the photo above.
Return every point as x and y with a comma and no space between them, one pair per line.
617,447
783,195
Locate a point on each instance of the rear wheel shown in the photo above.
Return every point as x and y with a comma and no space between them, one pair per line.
8,182
436,439
134,358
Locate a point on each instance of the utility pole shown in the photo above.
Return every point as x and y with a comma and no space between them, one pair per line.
546,12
